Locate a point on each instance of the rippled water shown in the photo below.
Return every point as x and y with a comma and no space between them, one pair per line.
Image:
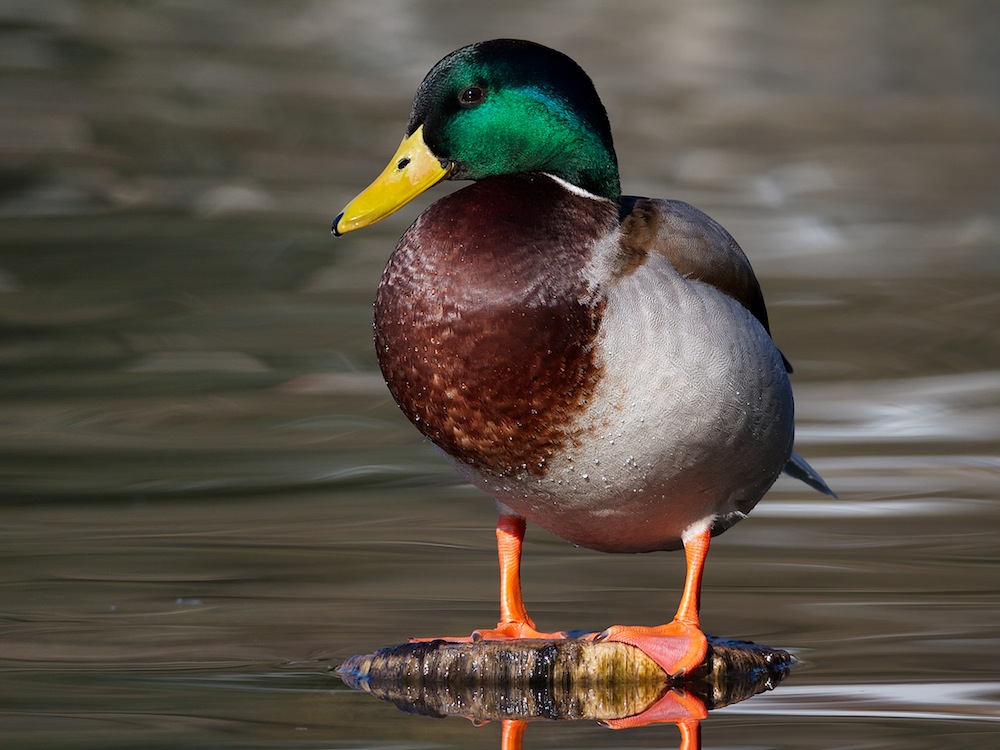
208,498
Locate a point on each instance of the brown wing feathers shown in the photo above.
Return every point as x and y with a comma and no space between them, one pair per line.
697,246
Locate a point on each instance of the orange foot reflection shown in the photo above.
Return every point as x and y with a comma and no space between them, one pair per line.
683,709
512,734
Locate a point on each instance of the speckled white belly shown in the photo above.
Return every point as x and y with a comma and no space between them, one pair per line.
691,423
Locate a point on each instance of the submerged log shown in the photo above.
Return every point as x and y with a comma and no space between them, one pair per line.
568,679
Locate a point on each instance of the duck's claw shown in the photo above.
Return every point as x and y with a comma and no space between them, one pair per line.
678,647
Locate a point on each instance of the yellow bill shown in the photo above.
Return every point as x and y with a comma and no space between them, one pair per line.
411,171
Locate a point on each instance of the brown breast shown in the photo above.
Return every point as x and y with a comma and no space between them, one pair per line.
484,323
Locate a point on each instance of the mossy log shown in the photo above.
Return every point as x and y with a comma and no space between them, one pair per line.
570,679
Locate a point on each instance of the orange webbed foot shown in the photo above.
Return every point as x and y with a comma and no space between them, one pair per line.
678,647
504,631
513,630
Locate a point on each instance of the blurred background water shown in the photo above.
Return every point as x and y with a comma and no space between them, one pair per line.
208,497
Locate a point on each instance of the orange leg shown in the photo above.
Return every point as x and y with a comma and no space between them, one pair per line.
510,538
679,646
514,621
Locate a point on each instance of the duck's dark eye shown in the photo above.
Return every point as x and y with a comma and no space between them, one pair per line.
471,96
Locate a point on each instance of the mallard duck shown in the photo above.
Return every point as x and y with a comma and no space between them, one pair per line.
599,364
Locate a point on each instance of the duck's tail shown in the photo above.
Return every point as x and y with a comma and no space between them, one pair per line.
798,468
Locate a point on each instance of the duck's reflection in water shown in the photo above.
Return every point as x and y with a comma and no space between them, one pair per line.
517,682
512,730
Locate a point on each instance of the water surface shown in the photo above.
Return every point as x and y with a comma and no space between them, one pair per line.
209,499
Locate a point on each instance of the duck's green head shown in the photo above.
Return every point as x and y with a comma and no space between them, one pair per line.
496,108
